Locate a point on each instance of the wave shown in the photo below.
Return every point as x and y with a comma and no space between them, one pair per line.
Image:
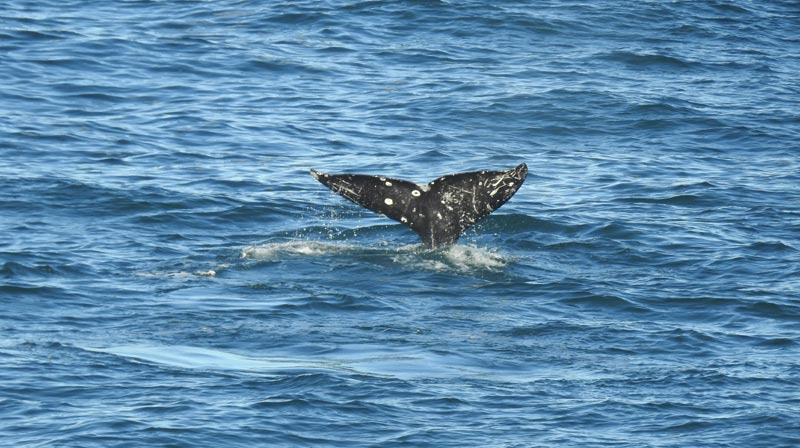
686,200
283,66
605,301
408,363
771,247
12,269
513,223
186,357
647,60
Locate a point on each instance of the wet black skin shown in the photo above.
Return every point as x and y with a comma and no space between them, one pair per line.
440,211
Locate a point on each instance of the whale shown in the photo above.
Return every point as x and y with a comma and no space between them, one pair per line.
440,211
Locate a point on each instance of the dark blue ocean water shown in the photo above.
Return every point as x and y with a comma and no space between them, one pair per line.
171,275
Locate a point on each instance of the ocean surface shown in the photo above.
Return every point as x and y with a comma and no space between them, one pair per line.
172,276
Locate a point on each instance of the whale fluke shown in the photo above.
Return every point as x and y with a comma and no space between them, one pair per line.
440,211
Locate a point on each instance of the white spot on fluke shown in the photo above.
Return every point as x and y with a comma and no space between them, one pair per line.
388,184
403,219
388,201
415,193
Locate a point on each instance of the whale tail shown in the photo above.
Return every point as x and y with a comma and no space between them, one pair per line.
440,211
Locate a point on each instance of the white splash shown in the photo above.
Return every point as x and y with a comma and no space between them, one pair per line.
473,257
458,258
185,274
270,251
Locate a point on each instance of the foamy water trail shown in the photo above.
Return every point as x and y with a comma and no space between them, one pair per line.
454,258
272,251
